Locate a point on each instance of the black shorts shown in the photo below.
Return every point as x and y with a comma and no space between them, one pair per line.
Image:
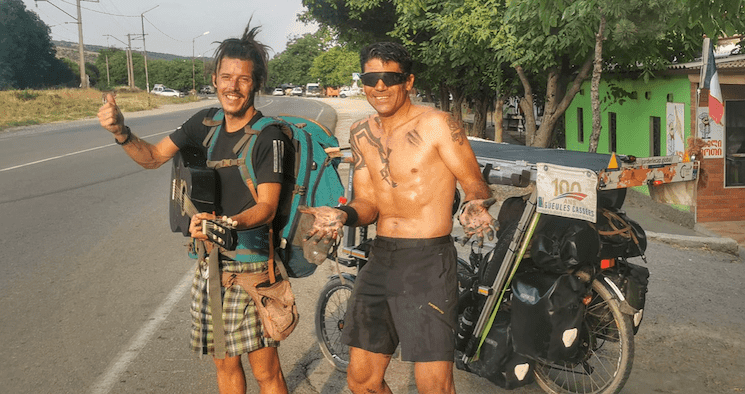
407,292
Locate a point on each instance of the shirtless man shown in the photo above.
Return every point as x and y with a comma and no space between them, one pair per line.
407,161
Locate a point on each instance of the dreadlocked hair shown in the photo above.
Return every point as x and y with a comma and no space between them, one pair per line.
246,48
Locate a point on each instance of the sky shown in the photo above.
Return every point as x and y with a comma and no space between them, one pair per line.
174,27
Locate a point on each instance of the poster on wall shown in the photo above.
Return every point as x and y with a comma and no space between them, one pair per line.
712,133
675,129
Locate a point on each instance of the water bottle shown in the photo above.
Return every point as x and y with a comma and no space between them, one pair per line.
466,324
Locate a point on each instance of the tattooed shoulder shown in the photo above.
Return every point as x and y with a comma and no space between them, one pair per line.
457,133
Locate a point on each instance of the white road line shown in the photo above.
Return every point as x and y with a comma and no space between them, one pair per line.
112,375
75,153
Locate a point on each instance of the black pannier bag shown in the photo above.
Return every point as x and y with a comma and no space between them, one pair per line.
612,198
510,212
633,281
547,313
562,244
620,236
497,362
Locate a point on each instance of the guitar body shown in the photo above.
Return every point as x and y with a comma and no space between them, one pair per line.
193,189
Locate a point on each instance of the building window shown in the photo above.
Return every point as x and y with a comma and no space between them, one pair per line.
734,131
580,125
655,144
611,132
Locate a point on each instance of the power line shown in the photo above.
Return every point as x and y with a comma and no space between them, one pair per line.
161,32
101,12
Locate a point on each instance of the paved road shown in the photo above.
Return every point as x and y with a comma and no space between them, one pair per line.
94,295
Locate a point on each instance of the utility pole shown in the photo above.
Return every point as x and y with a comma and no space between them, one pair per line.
193,75
130,63
144,50
83,75
81,51
130,71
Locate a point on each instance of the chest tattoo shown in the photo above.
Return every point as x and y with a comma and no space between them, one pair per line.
456,131
363,132
414,138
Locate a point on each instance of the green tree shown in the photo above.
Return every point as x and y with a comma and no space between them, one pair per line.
357,22
176,74
335,66
292,66
558,39
27,56
452,39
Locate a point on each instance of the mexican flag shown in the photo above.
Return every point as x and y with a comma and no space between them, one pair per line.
710,80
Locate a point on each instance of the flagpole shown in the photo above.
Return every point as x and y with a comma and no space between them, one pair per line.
702,75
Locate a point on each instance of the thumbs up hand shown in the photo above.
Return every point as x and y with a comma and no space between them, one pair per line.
110,117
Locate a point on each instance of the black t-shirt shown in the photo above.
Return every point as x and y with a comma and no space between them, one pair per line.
273,161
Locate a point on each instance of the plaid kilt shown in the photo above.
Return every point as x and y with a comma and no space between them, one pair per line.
243,330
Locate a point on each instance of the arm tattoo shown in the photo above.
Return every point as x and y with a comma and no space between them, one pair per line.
357,158
456,131
363,131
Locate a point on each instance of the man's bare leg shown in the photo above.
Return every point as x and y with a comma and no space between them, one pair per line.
267,371
230,376
366,371
434,377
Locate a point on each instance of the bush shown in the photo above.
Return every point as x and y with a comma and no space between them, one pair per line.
26,95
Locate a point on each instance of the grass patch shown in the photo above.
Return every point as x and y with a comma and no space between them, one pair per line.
29,107
645,190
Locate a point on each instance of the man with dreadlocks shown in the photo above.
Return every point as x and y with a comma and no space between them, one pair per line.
241,70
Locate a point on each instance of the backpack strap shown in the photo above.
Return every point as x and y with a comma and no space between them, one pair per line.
214,124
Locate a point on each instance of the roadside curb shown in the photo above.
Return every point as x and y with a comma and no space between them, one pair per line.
717,244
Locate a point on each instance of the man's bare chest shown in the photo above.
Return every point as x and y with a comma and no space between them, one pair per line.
396,157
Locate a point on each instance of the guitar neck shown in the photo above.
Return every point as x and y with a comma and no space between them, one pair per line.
189,207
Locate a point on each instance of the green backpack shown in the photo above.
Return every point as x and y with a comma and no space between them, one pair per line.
317,182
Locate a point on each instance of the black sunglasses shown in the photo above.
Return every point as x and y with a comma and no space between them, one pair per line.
389,78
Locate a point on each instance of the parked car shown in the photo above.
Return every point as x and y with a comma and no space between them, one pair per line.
346,91
297,91
161,90
278,92
312,90
207,89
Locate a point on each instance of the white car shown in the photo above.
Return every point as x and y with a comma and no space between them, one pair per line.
164,91
349,92
278,92
297,91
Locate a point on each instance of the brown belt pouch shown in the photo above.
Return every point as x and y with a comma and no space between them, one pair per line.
275,302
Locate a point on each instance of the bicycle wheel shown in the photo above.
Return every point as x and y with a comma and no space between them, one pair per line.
608,345
330,311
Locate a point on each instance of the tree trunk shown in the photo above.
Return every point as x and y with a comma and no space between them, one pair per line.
499,118
457,108
526,106
597,71
444,97
480,111
541,136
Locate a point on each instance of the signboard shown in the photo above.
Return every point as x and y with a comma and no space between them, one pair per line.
567,191
712,133
675,129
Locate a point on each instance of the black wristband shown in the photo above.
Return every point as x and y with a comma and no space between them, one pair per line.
126,140
352,216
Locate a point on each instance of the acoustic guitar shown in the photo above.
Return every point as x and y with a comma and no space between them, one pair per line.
194,190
